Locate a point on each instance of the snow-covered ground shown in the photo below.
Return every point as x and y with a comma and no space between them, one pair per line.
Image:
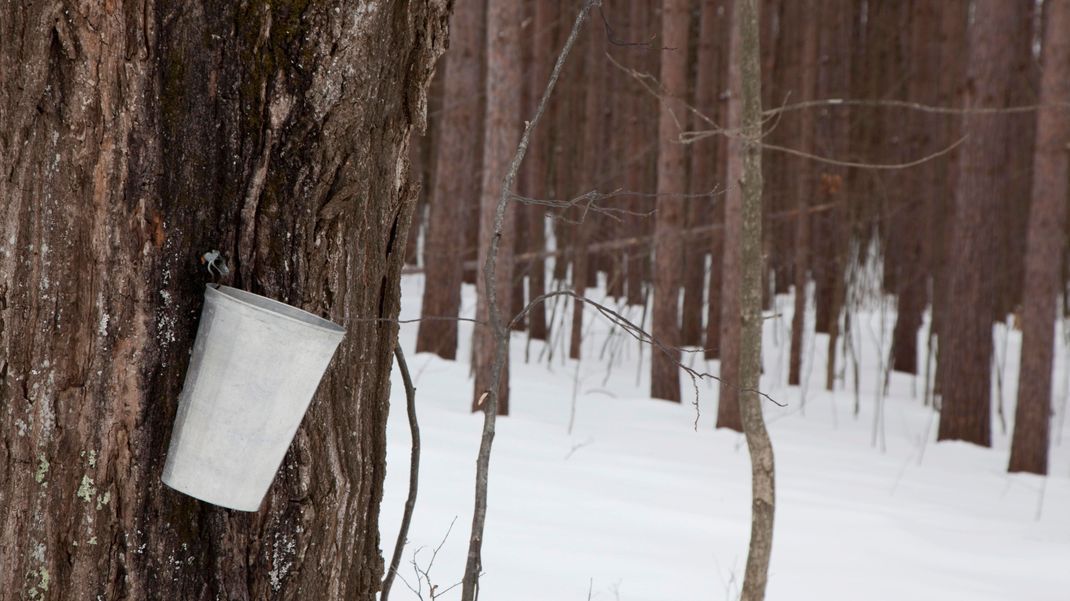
637,504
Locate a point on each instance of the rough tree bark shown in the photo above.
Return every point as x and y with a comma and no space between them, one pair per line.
728,415
136,137
966,335
747,61
1046,246
501,131
671,187
456,182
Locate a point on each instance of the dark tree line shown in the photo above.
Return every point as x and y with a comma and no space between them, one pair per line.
930,136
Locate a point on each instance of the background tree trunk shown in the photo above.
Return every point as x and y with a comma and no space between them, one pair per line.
672,186
538,159
779,182
731,283
803,185
456,183
708,156
136,137
831,235
966,336
1018,171
638,151
591,160
1047,239
501,134
954,17
919,186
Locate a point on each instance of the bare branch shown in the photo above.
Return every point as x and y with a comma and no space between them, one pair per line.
423,574
643,336
914,106
473,567
877,166
590,202
653,87
414,473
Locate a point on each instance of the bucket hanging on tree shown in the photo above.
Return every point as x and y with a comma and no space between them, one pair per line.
255,366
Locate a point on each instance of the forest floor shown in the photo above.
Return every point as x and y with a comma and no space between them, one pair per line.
637,504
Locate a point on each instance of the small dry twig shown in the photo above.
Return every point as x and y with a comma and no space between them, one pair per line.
414,472
473,566
423,574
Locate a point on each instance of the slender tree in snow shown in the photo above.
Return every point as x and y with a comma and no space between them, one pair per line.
746,61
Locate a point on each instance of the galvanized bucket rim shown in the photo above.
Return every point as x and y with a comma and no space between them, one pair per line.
274,308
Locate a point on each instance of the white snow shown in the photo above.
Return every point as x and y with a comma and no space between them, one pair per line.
638,505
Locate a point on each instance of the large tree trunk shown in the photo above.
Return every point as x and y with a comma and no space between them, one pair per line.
672,186
456,183
136,137
1046,244
501,133
966,334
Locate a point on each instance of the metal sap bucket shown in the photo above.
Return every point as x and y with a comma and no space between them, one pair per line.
255,365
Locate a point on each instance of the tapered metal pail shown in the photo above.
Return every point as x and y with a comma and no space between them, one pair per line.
256,364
